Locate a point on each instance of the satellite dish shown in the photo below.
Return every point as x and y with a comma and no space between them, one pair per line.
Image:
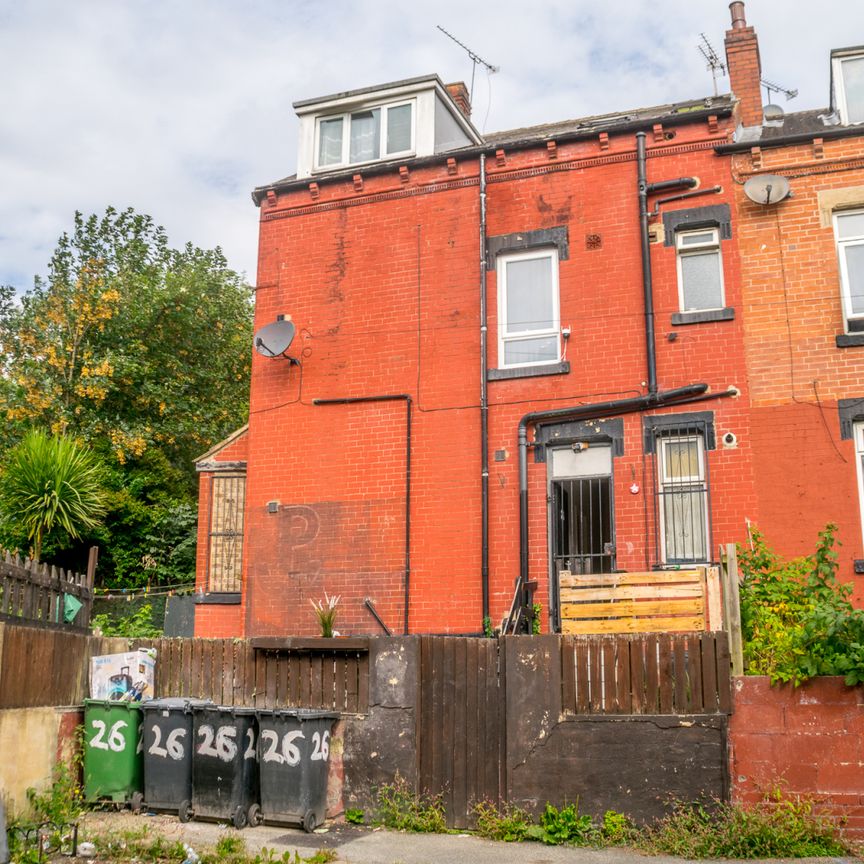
773,113
274,339
767,188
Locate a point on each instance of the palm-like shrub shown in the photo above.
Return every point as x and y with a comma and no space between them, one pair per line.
48,484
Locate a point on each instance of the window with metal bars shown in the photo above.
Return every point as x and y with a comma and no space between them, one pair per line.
227,500
683,522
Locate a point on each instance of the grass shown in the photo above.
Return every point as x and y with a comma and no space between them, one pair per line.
402,809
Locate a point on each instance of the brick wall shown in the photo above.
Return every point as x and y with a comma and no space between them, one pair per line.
381,278
215,621
792,316
809,740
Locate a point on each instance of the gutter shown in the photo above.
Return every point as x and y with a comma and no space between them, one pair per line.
786,140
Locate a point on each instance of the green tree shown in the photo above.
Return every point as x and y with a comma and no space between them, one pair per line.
129,342
48,485
143,351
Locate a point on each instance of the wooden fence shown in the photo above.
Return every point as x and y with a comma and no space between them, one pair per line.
36,593
655,673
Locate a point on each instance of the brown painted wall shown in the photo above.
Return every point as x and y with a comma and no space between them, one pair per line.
808,740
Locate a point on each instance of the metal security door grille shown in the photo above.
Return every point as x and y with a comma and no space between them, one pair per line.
582,530
228,497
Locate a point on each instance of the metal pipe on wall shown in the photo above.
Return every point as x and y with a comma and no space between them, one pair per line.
484,402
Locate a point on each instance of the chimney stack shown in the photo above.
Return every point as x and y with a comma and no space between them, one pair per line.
459,94
745,70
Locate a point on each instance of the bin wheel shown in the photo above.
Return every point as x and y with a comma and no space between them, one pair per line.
309,822
136,802
254,815
184,812
238,820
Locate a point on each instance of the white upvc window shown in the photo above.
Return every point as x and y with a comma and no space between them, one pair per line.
683,499
700,270
848,74
858,434
364,135
529,328
849,231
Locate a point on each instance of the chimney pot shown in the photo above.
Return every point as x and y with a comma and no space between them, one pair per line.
738,19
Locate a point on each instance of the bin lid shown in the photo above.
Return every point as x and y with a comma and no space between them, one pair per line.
298,713
109,703
236,710
175,703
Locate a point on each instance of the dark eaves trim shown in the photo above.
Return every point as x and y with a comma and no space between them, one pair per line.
787,140
683,119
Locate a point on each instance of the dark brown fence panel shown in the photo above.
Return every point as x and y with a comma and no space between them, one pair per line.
34,592
649,673
461,728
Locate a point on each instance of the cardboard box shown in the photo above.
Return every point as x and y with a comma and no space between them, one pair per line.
125,677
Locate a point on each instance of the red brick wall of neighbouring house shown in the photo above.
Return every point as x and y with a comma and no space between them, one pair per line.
381,278
214,620
807,741
792,316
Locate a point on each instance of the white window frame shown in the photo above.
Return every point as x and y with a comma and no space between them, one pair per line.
544,332
345,117
682,251
845,287
693,483
840,87
858,437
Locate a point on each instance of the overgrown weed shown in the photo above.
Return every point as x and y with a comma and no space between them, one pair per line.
401,808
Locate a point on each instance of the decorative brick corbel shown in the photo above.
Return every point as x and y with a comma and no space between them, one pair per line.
604,140
658,133
500,158
552,149
404,175
314,191
818,148
451,165
756,158
713,126
271,198
358,182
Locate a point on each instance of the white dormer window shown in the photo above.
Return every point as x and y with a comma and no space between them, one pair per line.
848,73
366,135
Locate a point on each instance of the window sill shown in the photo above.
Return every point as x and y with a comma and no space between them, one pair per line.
850,340
218,599
703,317
561,368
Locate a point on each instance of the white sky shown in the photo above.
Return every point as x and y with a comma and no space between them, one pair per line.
179,109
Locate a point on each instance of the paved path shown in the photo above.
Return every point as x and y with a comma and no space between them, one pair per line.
364,846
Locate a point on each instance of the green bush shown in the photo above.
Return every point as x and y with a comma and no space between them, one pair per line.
508,823
797,620
402,809
138,625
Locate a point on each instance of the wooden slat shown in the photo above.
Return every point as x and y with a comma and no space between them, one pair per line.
684,624
610,693
637,676
665,668
651,577
724,673
568,675
708,656
461,720
630,592
652,675
582,689
633,608
260,680
363,683
680,687
694,676
622,675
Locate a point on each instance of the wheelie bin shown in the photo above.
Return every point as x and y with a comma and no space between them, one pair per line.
112,750
294,757
168,755
225,765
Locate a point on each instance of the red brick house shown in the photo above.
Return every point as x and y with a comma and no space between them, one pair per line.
802,260
516,356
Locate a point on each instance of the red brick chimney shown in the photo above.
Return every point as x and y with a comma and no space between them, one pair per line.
745,70
459,93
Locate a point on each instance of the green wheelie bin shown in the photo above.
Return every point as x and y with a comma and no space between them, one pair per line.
112,751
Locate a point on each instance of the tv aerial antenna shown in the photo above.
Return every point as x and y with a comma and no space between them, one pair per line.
473,56
712,58
771,87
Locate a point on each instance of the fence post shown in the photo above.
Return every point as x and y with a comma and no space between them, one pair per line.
732,607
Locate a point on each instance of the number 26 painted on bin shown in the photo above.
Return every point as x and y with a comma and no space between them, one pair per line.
173,745
221,745
115,742
290,754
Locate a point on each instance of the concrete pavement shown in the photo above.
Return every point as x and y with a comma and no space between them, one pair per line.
357,845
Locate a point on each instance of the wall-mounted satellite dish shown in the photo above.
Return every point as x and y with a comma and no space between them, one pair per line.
767,188
274,339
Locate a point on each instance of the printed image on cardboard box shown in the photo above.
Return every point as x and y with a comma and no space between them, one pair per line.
123,677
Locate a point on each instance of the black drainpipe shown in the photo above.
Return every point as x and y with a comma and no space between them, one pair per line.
408,402
646,189
679,396
484,405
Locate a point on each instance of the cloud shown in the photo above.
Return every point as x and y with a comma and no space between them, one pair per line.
180,109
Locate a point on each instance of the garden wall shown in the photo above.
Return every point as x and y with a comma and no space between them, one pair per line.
809,739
